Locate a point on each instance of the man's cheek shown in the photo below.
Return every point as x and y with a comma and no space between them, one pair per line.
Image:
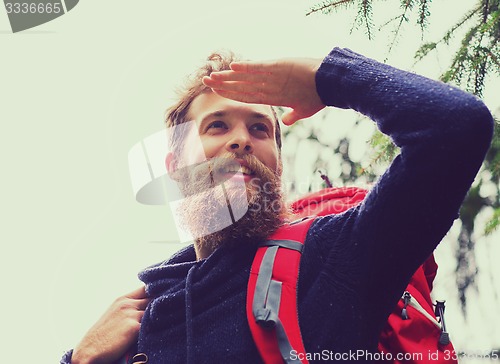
193,151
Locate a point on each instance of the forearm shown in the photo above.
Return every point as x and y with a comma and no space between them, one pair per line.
443,133
408,107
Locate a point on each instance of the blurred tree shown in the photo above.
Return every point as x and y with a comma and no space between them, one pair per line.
476,59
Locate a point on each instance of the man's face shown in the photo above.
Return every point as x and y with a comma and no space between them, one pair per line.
226,126
233,137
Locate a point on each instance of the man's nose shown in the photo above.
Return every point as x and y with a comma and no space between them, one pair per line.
240,141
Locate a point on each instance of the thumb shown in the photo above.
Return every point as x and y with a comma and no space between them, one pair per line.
290,117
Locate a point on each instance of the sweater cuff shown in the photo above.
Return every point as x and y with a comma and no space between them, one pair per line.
342,76
66,359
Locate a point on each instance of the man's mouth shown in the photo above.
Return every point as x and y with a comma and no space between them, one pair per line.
233,169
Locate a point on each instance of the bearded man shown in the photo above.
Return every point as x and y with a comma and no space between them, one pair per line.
354,265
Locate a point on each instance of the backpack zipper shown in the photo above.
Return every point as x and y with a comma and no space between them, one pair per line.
444,339
408,299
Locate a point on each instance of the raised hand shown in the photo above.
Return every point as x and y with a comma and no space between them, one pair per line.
287,82
111,336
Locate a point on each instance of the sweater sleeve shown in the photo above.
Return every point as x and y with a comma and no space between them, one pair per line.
443,134
66,358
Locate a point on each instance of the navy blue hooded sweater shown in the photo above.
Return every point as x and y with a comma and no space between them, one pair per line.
355,265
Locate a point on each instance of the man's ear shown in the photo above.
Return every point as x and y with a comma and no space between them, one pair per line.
171,164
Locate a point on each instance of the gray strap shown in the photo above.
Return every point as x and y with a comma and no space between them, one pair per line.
289,244
260,312
273,304
274,296
284,345
267,297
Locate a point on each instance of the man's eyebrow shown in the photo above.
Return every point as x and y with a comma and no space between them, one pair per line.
212,115
216,114
259,115
224,113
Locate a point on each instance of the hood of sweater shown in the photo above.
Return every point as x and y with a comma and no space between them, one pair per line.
184,291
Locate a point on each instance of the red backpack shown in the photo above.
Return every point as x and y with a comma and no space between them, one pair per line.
413,333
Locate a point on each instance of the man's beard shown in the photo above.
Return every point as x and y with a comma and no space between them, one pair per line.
219,211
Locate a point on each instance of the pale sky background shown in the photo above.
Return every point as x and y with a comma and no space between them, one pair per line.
77,93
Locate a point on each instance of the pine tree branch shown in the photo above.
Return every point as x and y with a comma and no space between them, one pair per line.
493,57
408,5
459,24
365,9
423,15
327,7
428,47
457,67
485,10
493,223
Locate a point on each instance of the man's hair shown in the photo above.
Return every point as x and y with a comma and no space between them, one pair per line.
193,87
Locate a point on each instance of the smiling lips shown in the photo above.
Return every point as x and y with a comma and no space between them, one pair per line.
236,171
233,169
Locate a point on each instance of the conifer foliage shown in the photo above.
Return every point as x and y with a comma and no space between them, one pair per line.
476,59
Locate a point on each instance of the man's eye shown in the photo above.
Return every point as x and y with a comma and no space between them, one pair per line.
217,125
260,127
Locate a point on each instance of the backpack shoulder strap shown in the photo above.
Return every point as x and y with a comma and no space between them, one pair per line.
272,295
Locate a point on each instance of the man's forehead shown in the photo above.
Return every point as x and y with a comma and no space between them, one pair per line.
210,104
252,114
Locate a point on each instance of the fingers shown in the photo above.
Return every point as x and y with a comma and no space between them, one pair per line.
290,117
261,79
137,293
236,82
253,66
142,303
139,298
110,337
243,77
137,316
241,87
231,75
